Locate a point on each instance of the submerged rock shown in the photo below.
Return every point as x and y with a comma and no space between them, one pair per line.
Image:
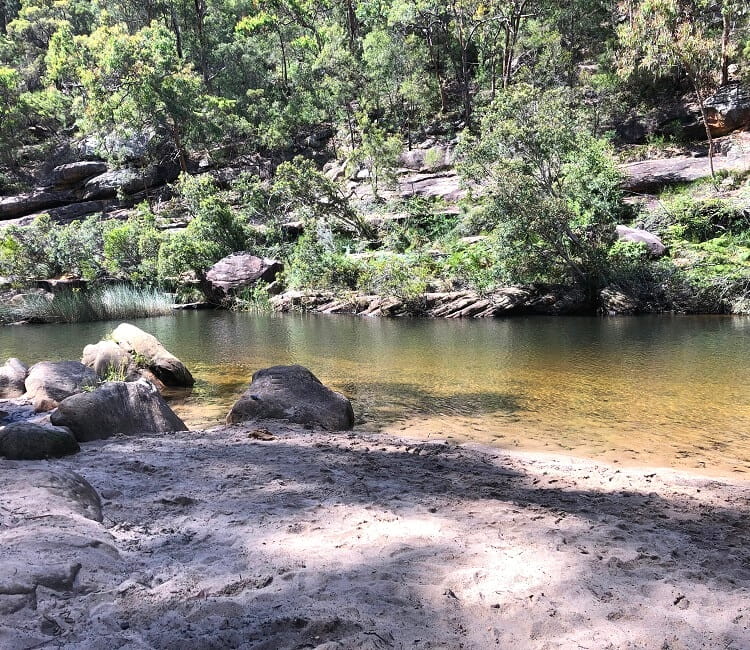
13,378
27,441
50,382
117,407
295,394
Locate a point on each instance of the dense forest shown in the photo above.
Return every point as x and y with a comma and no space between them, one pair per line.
288,128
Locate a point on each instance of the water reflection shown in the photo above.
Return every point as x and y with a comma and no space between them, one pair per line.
654,390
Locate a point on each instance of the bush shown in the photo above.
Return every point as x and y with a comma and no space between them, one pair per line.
131,249
46,250
318,263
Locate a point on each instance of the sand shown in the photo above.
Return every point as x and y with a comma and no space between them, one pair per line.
281,537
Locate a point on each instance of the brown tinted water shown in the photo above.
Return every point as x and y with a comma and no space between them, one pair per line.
660,391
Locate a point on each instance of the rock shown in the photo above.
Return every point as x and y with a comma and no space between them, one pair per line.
652,175
30,202
107,358
292,393
75,172
655,246
147,351
13,378
16,410
116,407
52,542
26,441
239,271
430,159
728,109
613,301
50,382
127,181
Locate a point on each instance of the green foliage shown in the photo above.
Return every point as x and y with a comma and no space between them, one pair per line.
698,220
552,190
215,230
319,262
131,249
106,303
45,250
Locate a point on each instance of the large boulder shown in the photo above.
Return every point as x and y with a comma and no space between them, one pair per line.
27,441
34,201
75,172
50,382
239,271
126,181
728,109
116,407
13,379
150,354
295,394
655,246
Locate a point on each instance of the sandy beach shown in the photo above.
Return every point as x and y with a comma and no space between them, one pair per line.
279,537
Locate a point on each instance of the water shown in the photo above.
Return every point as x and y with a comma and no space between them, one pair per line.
660,391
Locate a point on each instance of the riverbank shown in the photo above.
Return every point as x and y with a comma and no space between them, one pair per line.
281,537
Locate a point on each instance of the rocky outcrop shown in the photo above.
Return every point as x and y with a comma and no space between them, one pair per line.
654,244
429,159
13,378
728,109
116,407
613,301
127,181
50,382
76,172
509,301
649,176
150,354
29,202
295,394
236,272
27,441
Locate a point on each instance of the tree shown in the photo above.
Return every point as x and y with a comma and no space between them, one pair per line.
138,83
663,35
552,190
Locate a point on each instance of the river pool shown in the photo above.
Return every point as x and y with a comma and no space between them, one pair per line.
657,390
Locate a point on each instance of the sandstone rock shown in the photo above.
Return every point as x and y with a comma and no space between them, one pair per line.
50,382
652,175
614,301
728,109
128,181
107,358
431,159
26,441
75,172
30,202
13,378
655,246
238,271
292,393
116,407
167,367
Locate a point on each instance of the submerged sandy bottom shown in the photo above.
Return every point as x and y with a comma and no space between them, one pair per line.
219,539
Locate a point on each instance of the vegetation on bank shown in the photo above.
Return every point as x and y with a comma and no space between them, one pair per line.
116,302
534,95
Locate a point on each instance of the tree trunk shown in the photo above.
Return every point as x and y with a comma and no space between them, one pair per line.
701,100
352,25
283,59
725,34
177,33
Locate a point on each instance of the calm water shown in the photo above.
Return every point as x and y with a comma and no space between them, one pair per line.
662,390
